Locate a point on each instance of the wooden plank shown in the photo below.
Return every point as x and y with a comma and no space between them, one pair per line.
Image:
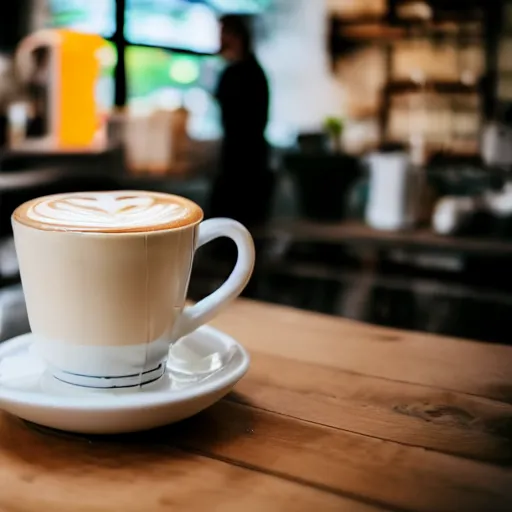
47,472
410,414
451,364
380,472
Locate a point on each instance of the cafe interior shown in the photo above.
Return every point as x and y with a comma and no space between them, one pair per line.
366,145
390,135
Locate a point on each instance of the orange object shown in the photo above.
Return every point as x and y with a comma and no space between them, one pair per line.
68,74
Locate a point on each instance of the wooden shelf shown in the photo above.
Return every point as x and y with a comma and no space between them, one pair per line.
438,86
450,17
384,33
372,32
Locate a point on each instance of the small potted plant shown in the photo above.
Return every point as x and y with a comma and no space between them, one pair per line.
333,126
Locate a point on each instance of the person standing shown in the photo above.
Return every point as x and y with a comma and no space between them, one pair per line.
243,187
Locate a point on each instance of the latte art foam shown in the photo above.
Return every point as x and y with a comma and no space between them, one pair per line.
106,211
119,211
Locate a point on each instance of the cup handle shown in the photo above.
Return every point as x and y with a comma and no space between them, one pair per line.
205,310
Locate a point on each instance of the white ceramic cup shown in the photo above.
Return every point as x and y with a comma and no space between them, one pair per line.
104,308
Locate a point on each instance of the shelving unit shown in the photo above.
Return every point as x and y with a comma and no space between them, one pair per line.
456,25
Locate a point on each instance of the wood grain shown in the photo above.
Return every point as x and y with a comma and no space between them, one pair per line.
412,414
380,472
333,415
445,363
49,472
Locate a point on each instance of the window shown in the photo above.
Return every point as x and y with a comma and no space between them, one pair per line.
176,24
93,16
162,79
170,53
240,6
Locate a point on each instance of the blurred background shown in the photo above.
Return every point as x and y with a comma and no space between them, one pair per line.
379,188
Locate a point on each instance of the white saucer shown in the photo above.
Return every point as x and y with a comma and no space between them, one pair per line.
29,392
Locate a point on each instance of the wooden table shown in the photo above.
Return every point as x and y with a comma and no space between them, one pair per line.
334,415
